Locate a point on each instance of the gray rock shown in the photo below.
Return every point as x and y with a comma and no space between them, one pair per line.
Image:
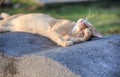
28,55
32,66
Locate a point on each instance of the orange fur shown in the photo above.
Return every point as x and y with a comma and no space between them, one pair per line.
63,32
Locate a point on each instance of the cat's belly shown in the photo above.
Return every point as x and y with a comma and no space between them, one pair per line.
36,23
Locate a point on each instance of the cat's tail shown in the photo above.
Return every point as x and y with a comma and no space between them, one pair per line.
4,16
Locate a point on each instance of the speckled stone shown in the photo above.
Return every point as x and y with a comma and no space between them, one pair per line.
30,55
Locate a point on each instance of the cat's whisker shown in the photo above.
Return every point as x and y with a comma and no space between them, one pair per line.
89,14
93,19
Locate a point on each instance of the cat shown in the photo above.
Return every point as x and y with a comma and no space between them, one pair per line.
62,31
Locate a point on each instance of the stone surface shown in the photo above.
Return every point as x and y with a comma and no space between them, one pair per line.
28,55
32,66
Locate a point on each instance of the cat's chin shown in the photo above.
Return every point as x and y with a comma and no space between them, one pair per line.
74,29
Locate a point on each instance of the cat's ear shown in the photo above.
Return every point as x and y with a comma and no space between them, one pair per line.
96,34
94,31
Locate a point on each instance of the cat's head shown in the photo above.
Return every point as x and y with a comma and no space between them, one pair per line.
83,24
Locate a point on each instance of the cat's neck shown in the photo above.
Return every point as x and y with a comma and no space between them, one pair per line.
74,27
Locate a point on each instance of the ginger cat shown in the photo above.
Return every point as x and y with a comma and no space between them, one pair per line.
63,32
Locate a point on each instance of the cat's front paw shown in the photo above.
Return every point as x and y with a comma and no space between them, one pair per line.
67,43
75,40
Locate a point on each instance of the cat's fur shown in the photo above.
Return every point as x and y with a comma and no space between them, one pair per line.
63,32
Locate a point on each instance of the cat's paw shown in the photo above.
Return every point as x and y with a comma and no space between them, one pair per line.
87,35
66,37
75,40
67,43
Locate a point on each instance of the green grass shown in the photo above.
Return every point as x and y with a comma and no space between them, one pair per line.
107,14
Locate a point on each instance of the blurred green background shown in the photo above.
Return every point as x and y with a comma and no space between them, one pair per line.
105,15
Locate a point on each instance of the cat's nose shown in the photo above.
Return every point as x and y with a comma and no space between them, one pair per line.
83,26
83,22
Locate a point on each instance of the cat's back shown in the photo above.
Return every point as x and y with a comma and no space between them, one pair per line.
36,19
34,23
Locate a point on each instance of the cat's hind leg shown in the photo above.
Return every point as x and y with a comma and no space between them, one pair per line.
4,27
